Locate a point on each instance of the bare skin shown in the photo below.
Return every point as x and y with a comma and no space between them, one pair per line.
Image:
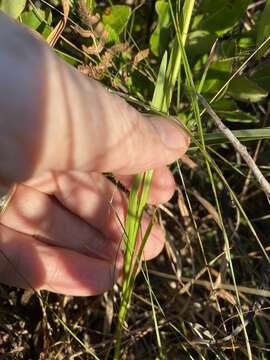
59,132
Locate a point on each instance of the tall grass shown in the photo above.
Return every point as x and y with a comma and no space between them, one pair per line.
164,87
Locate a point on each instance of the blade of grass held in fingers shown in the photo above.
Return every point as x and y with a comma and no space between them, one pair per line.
136,204
161,101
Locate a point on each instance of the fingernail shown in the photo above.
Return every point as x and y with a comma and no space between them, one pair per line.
171,134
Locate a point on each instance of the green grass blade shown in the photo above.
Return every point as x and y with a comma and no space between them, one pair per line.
159,344
196,111
174,65
217,138
159,88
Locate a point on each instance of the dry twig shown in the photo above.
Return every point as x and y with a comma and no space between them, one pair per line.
241,149
59,28
96,29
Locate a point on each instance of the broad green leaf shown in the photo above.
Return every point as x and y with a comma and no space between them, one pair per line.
244,89
221,16
263,29
39,20
247,40
228,48
224,104
196,21
160,37
228,110
13,8
218,73
117,17
199,42
37,17
32,19
113,37
262,76
237,116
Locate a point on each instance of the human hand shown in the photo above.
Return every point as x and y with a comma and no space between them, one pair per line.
59,132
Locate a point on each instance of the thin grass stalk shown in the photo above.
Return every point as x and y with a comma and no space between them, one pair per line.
137,200
160,348
239,70
174,67
196,111
237,203
195,107
233,196
136,206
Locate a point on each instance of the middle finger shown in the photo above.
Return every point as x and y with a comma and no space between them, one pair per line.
36,214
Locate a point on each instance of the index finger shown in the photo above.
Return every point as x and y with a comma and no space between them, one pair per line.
54,118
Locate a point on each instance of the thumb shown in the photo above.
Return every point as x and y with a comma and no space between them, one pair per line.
53,118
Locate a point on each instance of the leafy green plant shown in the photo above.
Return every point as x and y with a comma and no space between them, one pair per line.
12,8
116,20
263,28
160,37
